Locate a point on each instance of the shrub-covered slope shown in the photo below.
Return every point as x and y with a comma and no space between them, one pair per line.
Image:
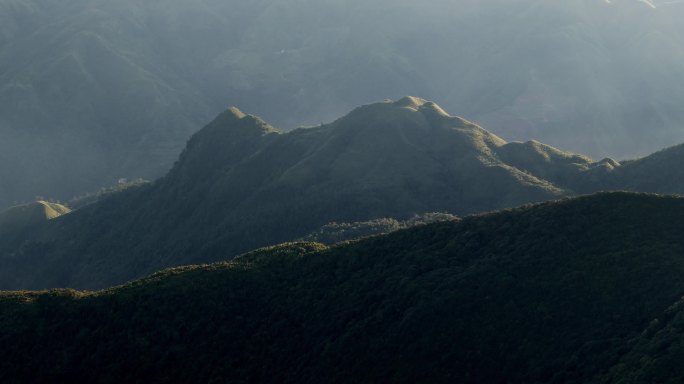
551,293
332,233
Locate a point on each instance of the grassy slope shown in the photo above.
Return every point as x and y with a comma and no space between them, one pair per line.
660,172
548,293
24,217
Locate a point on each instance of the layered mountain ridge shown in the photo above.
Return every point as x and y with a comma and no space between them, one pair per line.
242,184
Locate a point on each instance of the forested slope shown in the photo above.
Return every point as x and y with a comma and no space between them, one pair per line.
552,293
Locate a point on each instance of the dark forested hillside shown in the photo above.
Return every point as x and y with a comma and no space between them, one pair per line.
337,232
92,91
656,354
566,292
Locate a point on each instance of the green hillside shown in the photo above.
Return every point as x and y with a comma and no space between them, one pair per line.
92,91
551,293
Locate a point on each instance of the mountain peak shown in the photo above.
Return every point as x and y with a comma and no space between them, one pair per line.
233,121
410,102
418,104
235,112
433,110
231,136
410,108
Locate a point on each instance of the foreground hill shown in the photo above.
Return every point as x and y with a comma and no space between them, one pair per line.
552,293
656,354
241,184
124,83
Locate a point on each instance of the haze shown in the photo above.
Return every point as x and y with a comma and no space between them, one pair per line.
95,91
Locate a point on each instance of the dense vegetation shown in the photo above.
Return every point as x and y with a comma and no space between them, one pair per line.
92,91
656,354
564,292
337,232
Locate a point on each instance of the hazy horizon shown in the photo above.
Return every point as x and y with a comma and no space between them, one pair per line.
95,91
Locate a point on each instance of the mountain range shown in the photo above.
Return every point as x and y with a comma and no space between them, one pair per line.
92,91
583,290
241,184
397,243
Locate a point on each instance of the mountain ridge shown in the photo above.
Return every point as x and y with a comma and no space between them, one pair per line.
241,184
